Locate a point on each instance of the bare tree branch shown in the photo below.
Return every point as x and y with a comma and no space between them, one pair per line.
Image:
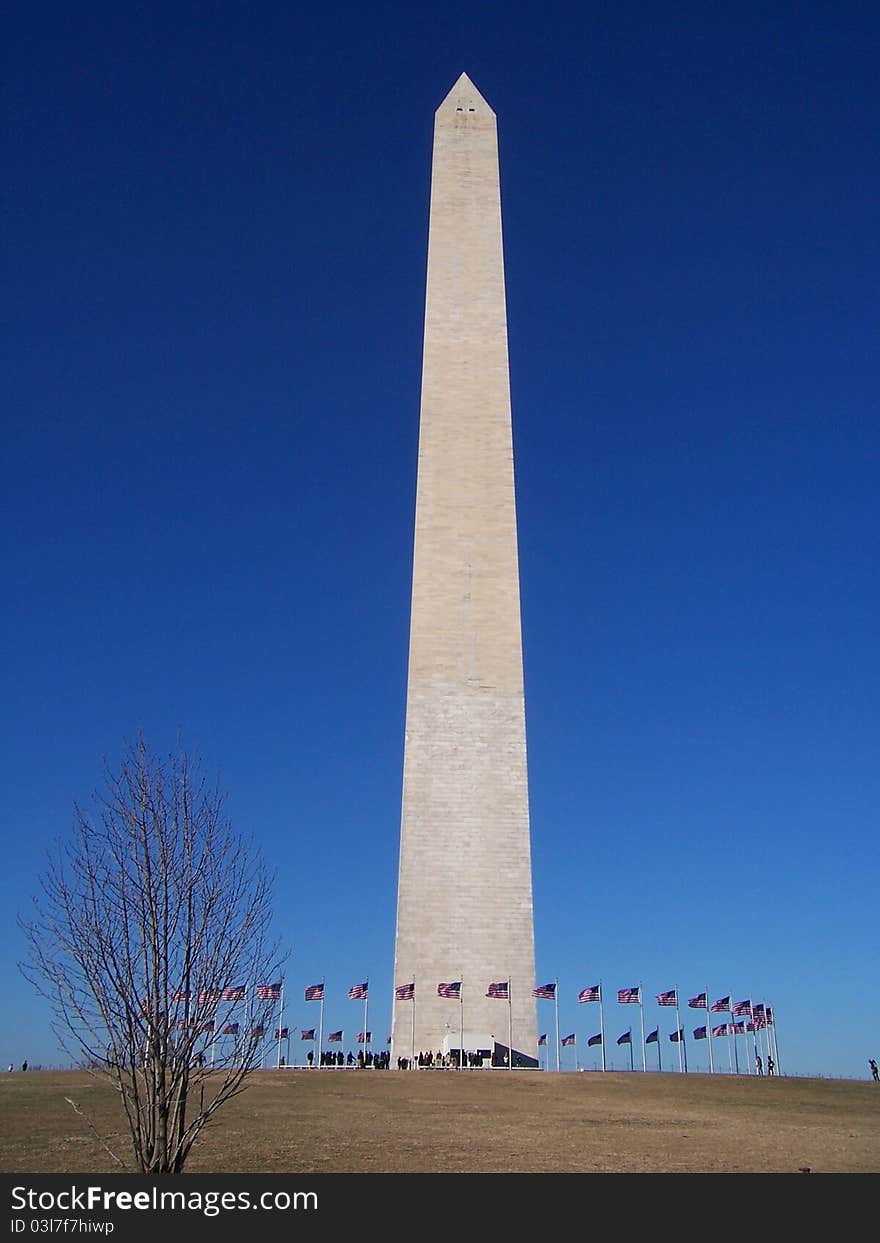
149,938
91,1127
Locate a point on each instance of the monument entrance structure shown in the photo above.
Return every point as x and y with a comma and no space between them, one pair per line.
465,925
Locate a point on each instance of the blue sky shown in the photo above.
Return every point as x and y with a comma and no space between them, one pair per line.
214,257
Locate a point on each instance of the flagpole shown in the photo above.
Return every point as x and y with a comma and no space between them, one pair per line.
632,1064
412,1057
250,1010
509,1024
733,1029
772,1024
321,1028
765,1037
754,1038
556,1005
280,1017
642,1017
461,1024
262,1046
602,1023
767,1029
678,1029
709,1033
366,1003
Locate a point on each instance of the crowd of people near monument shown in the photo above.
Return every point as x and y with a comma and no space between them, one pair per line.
335,1059
474,1059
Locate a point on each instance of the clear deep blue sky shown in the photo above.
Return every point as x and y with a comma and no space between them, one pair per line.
213,266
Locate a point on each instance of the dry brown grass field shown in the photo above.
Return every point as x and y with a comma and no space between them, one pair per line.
351,1121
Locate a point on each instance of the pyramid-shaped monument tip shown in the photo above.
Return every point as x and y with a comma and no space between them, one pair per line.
464,97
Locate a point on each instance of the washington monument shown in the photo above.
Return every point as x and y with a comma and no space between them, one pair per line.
464,907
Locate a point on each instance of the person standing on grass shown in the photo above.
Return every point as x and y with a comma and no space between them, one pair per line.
759,1064
875,1074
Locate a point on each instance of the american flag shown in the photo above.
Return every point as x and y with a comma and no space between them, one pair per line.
181,1024
567,1039
721,1029
739,1029
364,1037
758,1010
721,1005
238,993
206,1027
597,1039
281,1033
405,992
699,1033
501,989
626,1038
700,1002
231,1029
668,999
545,991
769,1016
742,1008
307,1033
450,990
208,997
676,1036
653,1037
359,992
542,1039
628,996
258,1032
590,994
180,996
315,992
269,992
336,1037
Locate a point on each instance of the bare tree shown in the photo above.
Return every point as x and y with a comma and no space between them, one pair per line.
152,941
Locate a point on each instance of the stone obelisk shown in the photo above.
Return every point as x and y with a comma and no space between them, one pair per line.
464,911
